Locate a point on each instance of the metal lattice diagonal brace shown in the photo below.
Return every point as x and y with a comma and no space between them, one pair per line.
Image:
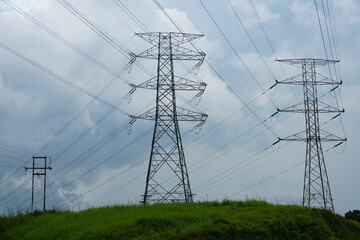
316,191
167,158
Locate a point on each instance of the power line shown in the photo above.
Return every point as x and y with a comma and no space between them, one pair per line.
131,15
112,10
96,147
275,175
328,32
14,191
119,188
69,101
53,74
234,50
3,164
89,129
268,40
131,167
9,164
63,40
91,151
8,181
230,150
84,109
102,33
333,31
251,40
267,179
104,182
13,158
332,44
13,149
246,171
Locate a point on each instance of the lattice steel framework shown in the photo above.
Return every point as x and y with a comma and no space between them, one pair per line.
316,191
167,157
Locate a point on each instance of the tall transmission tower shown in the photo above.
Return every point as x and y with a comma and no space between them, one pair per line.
167,158
316,191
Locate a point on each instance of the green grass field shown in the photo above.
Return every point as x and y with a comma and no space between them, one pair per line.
209,220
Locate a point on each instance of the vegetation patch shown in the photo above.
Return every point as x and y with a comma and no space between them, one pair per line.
194,221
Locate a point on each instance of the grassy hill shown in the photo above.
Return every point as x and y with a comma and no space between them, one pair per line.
196,221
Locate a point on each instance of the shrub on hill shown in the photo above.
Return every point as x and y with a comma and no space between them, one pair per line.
353,215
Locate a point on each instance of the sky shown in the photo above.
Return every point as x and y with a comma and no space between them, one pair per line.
52,65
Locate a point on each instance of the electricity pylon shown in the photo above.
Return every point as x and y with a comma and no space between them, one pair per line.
38,171
167,159
316,191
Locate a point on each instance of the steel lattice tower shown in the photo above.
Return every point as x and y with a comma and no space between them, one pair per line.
167,157
316,191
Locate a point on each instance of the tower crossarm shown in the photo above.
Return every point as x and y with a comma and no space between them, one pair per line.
322,108
178,38
182,115
301,61
178,53
162,41
319,80
323,137
179,84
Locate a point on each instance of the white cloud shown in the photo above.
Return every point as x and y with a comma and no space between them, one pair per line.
248,16
349,10
213,49
13,99
34,4
265,13
304,13
217,94
120,177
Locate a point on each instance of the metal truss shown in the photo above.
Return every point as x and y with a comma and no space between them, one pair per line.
167,159
316,191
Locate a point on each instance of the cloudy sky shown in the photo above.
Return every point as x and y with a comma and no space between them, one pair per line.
53,63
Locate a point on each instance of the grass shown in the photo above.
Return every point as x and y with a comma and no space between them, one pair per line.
196,221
